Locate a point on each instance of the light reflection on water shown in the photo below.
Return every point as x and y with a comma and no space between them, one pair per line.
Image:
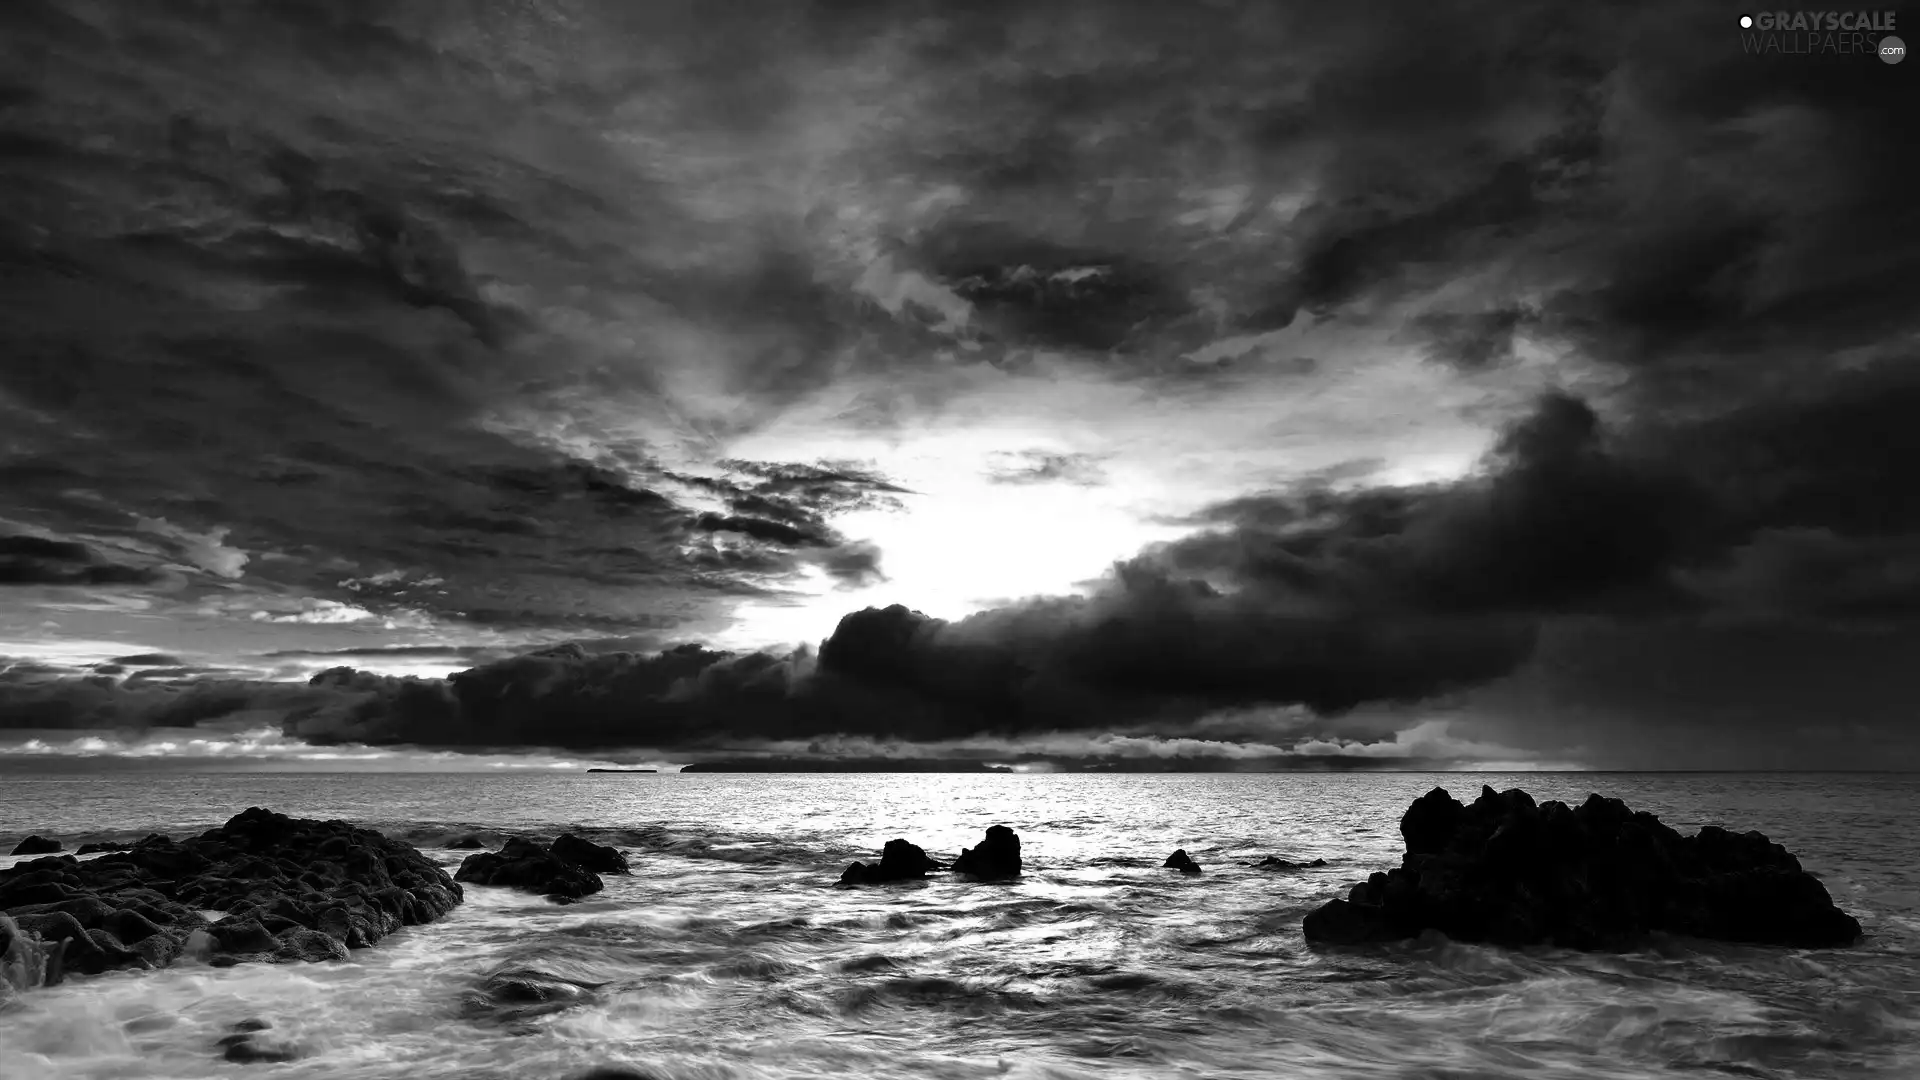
727,954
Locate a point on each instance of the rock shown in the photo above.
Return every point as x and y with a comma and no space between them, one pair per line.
241,935
36,845
1348,923
468,842
1274,862
523,864
997,856
285,883
100,846
1182,862
1508,871
517,994
308,946
252,1041
899,861
585,853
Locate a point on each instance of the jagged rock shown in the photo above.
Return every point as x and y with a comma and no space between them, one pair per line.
899,861
997,856
585,853
1507,871
284,883
523,864
101,845
1182,862
36,845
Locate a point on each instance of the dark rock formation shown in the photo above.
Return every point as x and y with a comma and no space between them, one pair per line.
100,846
1182,862
998,856
1599,877
585,853
523,864
291,889
36,845
468,842
1275,862
899,861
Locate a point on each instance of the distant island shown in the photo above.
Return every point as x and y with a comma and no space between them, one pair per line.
841,765
624,770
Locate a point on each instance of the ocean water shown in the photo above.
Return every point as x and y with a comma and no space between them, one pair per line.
729,953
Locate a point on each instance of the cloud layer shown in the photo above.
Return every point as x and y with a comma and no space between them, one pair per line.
1067,373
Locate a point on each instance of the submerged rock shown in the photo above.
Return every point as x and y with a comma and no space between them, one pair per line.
100,846
1275,862
291,889
1600,877
523,864
899,861
36,845
595,857
1182,862
518,994
468,842
997,856
255,1041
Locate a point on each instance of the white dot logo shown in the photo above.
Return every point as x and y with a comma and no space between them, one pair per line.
1746,22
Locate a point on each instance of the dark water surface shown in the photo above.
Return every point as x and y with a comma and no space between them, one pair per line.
729,954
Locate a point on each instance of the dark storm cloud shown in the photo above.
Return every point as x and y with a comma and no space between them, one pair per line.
34,560
147,660
1564,521
327,355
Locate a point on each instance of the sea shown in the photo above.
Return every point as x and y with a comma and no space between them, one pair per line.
730,952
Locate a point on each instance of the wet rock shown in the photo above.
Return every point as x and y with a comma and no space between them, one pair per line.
308,946
1182,862
255,1041
241,935
130,925
899,861
512,995
36,845
285,883
468,842
997,856
1508,871
100,846
1274,862
598,858
523,864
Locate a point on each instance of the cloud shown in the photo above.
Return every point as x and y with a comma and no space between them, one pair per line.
677,351
206,551
39,560
1044,467
318,611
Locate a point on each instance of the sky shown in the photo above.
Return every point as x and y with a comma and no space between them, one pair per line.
1225,384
